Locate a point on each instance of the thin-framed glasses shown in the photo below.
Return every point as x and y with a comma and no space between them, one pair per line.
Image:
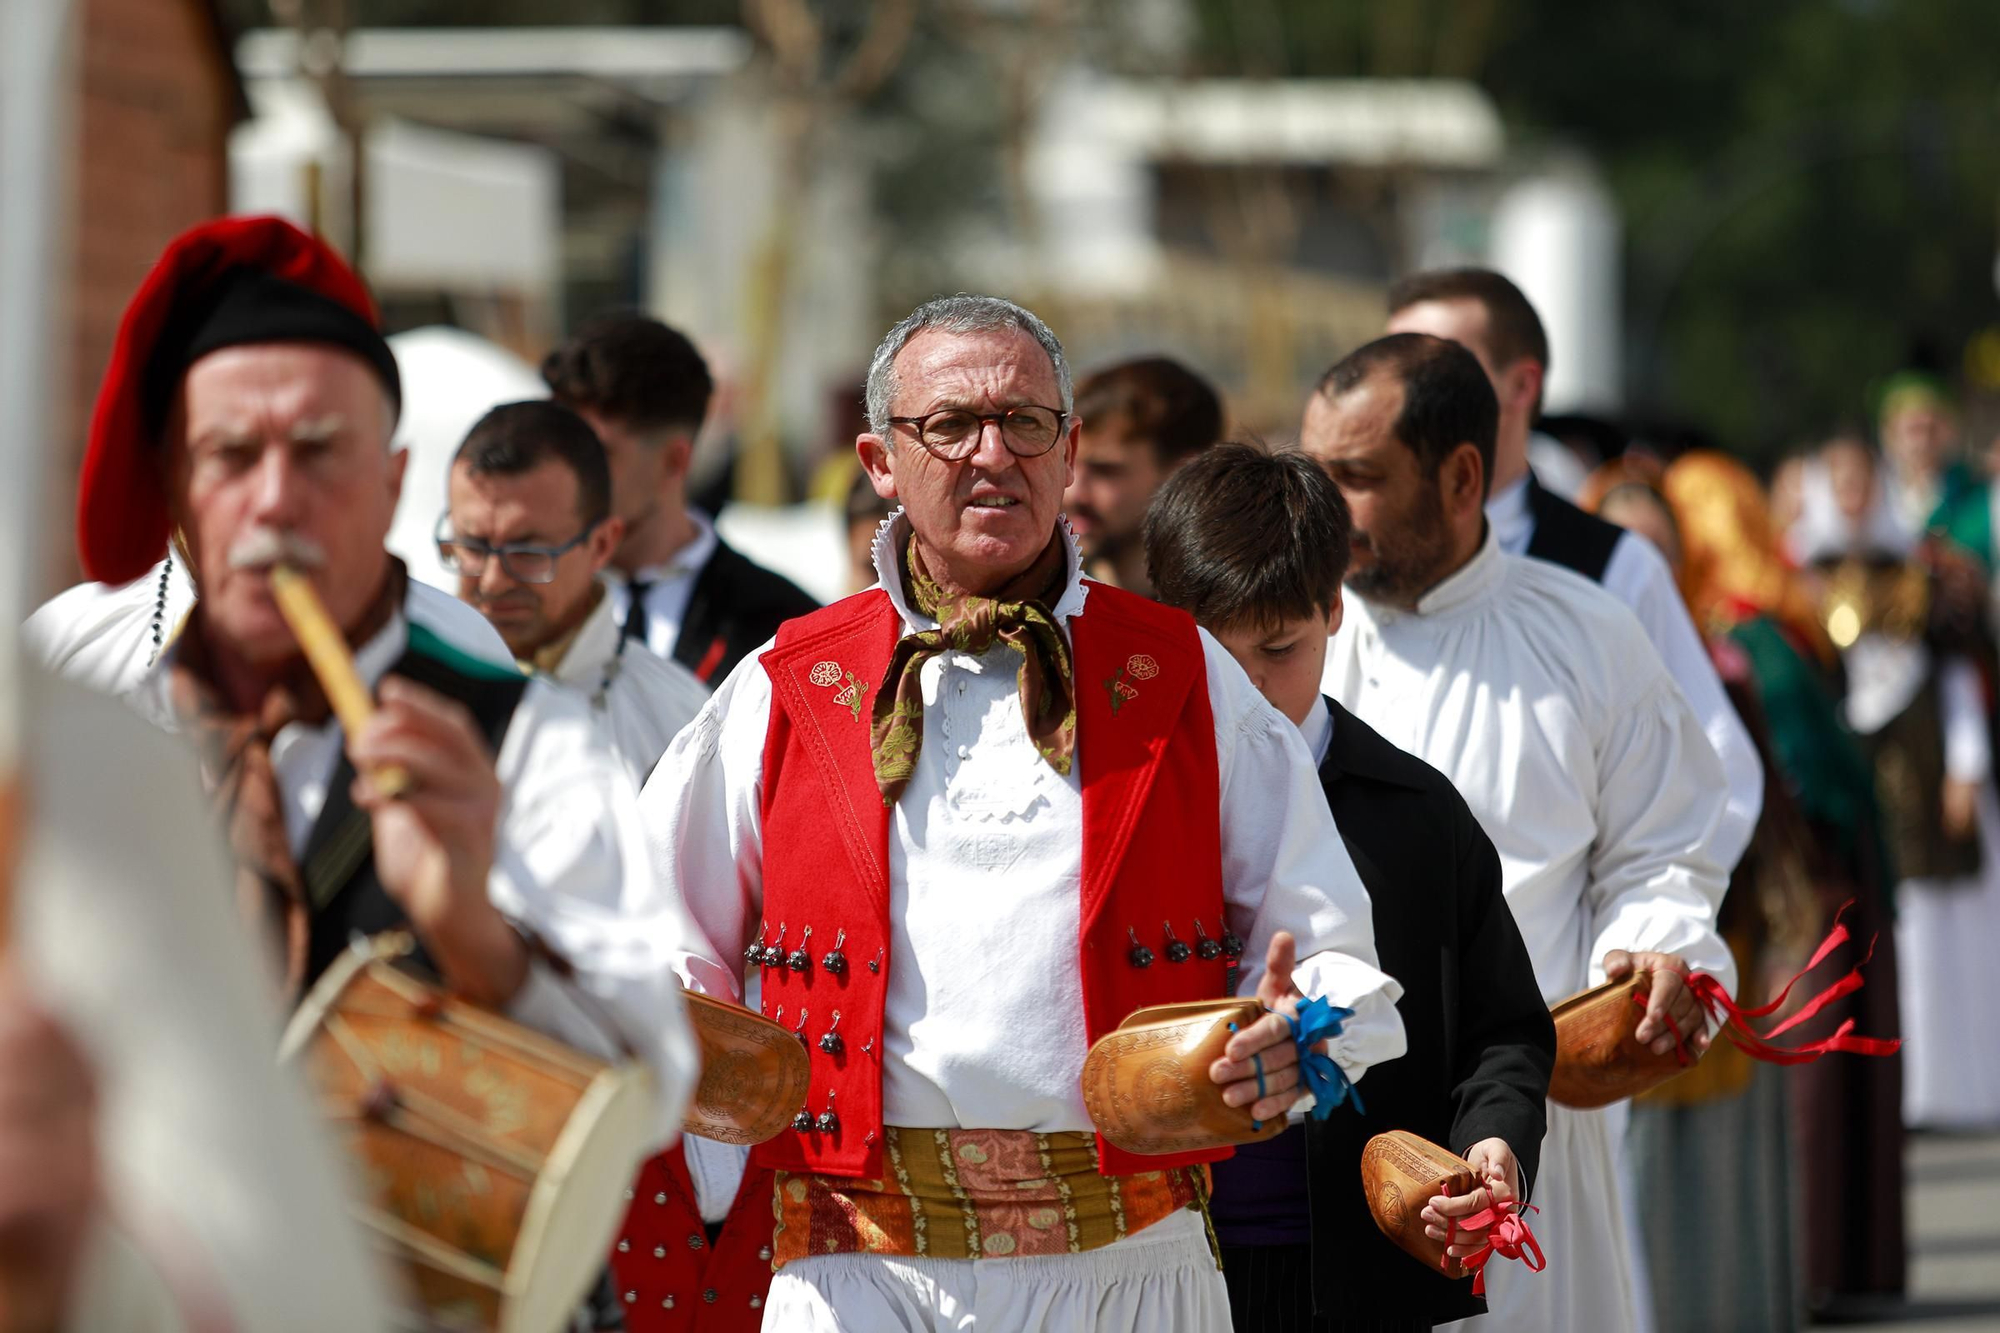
524,562
953,433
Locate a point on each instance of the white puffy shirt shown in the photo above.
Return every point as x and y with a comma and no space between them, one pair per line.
1537,694
983,1017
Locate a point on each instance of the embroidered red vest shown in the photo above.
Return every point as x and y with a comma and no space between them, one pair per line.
1152,856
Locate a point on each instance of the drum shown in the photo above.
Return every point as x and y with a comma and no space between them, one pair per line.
493,1160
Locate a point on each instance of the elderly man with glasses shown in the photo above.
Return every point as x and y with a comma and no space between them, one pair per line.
963,823
529,532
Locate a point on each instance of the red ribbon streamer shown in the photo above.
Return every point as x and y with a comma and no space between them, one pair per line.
1507,1235
1717,1002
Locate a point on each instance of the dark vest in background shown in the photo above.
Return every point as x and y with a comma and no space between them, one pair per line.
338,863
1565,535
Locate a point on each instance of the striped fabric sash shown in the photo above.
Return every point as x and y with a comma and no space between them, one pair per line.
978,1194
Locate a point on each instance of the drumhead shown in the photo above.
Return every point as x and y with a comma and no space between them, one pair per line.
578,1202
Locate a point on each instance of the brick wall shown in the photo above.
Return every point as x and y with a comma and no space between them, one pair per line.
158,101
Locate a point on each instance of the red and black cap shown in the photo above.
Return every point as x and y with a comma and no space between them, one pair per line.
220,284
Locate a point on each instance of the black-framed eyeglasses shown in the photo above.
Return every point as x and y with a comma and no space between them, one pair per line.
953,433
523,561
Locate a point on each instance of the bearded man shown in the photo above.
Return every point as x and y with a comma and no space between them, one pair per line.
1537,694
970,819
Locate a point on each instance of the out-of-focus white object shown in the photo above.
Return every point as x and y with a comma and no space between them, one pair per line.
217,1173
451,378
1559,237
804,542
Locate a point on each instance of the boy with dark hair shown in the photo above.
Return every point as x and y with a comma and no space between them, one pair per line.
1254,546
683,592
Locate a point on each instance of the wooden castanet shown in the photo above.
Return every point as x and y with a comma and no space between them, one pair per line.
1599,1058
493,1160
1146,1085
1400,1173
754,1074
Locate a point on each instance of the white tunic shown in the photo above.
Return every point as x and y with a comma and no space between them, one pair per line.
570,861
983,1018
1638,576
1533,690
643,699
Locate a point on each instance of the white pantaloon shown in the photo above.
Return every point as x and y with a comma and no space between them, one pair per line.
1162,1280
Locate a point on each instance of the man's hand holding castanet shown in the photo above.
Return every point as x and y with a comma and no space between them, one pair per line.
1444,1215
1269,1037
1670,996
434,841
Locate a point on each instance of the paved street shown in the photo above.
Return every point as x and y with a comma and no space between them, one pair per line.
1954,1237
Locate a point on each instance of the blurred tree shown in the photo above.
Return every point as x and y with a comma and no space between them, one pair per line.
1809,186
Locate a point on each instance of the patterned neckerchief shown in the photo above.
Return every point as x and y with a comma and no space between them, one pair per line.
1017,615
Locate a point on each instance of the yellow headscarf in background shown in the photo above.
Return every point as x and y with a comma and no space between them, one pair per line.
1730,551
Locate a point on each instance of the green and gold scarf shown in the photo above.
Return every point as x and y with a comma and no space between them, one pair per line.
1017,615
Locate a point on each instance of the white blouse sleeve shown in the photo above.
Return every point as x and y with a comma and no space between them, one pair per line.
1641,578
1284,867
1655,882
571,865
702,814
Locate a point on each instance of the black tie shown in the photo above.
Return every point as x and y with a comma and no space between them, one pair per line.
635,614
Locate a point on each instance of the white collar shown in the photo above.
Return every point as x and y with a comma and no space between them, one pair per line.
1466,586
688,560
1507,513
1318,731
890,538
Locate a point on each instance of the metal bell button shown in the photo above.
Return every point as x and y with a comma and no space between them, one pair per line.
829,1123
803,1122
1205,948
1138,955
1177,950
835,961
799,1030
774,956
754,954
798,959
830,1041
1232,947
875,963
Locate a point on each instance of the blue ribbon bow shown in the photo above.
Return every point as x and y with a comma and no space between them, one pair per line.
1318,1020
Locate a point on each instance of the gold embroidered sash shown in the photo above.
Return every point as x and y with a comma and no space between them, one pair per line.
978,1194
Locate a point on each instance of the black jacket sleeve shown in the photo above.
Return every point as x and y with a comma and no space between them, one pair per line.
1508,1048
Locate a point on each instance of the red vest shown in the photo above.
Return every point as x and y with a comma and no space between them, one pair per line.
670,1278
1151,844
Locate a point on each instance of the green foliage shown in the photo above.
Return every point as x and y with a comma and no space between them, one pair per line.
1809,186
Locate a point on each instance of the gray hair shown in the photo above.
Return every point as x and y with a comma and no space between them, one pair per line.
957,314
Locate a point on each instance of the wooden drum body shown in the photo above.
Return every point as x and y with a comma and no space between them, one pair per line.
493,1160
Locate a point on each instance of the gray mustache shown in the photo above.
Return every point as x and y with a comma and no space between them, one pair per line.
260,548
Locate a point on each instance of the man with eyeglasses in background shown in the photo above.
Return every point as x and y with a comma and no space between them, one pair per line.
529,531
